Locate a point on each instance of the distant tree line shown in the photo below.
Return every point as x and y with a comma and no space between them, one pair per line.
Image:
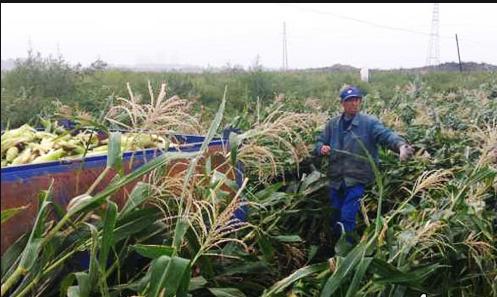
30,89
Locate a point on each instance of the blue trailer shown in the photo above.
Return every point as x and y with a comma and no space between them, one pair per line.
20,185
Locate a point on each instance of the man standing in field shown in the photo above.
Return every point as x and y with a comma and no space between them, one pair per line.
345,140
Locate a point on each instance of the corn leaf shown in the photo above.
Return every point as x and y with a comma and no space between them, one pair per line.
196,283
182,226
184,283
65,284
266,247
389,274
114,156
12,255
139,194
10,212
234,142
135,223
246,268
358,276
83,288
288,238
157,269
107,235
153,251
167,274
342,272
93,272
226,292
298,274
30,253
73,291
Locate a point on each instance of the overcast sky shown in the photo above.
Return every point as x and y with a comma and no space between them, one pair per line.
318,35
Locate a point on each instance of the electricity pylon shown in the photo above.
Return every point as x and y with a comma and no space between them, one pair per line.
433,56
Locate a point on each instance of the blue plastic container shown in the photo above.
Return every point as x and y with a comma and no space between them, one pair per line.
20,185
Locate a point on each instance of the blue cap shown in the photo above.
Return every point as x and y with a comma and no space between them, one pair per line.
350,91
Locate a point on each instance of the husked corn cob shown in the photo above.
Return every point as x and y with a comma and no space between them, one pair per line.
50,156
26,145
17,136
12,153
23,157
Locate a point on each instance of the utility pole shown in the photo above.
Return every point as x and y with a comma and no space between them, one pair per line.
59,54
285,51
458,54
433,56
30,45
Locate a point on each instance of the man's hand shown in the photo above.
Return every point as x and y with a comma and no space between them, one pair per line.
406,152
325,150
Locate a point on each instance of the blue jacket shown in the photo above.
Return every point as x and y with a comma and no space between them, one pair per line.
348,167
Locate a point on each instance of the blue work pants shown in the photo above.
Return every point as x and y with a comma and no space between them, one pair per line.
346,202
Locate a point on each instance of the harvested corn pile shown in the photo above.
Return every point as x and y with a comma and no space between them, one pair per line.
26,145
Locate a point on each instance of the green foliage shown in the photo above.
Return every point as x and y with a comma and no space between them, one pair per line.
36,82
437,239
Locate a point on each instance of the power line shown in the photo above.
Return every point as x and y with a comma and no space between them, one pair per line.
357,20
374,24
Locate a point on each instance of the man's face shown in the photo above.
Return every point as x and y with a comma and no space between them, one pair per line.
352,105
